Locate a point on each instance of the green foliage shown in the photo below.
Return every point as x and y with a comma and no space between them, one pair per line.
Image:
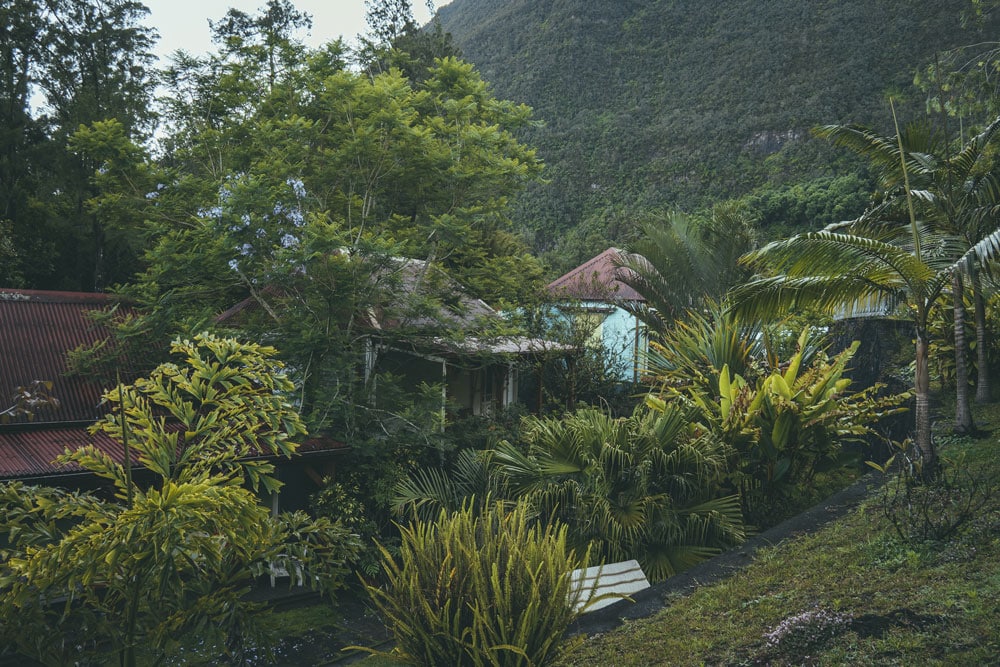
427,492
596,374
173,556
65,65
683,262
930,227
646,487
928,604
292,187
784,210
346,505
695,349
681,104
791,423
229,399
489,588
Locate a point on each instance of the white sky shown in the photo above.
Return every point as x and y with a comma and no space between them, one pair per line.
183,24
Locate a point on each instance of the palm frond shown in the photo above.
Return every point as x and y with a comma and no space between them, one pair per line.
843,295
983,252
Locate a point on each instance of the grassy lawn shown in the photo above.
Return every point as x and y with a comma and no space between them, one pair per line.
854,593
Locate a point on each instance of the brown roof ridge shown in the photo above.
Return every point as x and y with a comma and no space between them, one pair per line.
595,280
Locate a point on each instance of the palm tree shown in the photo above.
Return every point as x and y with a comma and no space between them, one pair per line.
681,262
644,487
852,274
958,194
426,492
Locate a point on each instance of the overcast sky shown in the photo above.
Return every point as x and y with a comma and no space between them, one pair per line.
183,24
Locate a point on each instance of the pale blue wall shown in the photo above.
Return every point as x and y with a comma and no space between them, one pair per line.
616,336
619,338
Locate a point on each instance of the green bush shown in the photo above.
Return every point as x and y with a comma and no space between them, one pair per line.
646,487
791,424
474,588
148,569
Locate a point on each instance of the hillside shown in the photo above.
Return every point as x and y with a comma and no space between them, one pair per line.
680,103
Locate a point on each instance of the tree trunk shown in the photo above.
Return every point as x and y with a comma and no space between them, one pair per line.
963,408
922,389
983,389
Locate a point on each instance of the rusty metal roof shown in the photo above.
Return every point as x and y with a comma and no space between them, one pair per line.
29,452
595,280
37,329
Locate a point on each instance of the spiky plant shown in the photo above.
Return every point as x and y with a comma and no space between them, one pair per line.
643,487
480,588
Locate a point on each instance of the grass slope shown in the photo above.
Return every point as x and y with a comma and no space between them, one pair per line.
852,593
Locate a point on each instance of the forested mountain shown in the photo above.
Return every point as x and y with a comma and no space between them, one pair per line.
682,103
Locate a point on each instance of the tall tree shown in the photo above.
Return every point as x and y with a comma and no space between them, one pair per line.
394,40
956,191
67,64
22,137
298,194
872,265
262,45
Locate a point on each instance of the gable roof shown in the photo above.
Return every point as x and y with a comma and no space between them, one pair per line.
595,280
419,279
405,281
37,329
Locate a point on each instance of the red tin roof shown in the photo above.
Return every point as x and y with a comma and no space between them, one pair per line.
32,452
37,329
595,280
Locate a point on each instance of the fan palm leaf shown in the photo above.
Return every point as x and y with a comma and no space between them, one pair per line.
622,484
428,491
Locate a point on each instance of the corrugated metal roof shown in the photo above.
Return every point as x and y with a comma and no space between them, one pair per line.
595,280
32,452
37,329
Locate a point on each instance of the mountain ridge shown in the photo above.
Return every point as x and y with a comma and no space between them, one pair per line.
680,103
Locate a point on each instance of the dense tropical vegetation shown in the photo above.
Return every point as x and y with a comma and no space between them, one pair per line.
679,104
314,200
174,549
909,577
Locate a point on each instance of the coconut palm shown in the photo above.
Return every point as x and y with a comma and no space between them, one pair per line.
955,192
851,274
